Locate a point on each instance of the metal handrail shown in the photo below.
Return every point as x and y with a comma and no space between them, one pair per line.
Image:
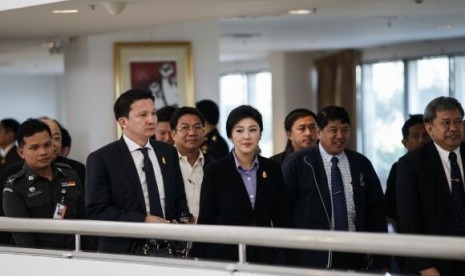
400,245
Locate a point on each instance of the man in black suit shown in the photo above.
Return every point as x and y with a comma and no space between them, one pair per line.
8,150
429,185
134,179
414,135
333,188
8,156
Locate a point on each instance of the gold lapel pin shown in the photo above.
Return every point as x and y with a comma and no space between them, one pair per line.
163,160
264,174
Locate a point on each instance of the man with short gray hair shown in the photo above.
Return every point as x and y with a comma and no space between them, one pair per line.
429,185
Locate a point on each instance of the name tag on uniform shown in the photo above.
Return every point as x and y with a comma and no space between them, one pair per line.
68,184
60,211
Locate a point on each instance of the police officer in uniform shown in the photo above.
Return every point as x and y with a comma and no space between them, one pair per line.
214,146
42,189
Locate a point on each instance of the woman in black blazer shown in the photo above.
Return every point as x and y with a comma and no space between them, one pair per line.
243,189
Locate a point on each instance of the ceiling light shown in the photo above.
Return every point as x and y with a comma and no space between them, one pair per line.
114,8
302,12
65,11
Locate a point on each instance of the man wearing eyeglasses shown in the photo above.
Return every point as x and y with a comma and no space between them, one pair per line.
187,125
430,194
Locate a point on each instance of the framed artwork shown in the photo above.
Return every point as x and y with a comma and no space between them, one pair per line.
164,68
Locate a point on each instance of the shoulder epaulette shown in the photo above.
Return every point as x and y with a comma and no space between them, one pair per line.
13,177
62,165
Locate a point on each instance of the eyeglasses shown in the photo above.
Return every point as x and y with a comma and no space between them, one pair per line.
185,128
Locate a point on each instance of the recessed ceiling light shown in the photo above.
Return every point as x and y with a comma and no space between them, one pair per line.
65,11
302,12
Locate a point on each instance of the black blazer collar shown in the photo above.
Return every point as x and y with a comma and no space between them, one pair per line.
127,163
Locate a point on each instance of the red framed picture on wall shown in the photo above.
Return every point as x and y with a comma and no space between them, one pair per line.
164,68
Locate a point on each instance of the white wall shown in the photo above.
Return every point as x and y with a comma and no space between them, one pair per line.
89,79
23,97
293,88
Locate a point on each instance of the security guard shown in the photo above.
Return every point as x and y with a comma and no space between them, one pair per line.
214,146
42,189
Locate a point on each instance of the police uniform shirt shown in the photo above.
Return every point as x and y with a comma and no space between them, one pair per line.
214,146
28,195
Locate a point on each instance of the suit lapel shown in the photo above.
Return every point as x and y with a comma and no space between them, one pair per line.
163,159
129,167
462,154
439,178
262,186
322,179
358,180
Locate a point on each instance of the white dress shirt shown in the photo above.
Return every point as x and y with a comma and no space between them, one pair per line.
344,167
193,177
444,155
138,158
4,152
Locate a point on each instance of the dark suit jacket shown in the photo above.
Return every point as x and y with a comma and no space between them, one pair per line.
391,194
11,157
77,166
114,192
308,189
424,202
224,201
280,157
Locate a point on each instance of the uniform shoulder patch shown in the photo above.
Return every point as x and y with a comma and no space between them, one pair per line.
11,179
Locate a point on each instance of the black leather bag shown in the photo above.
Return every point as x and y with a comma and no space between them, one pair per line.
155,248
160,248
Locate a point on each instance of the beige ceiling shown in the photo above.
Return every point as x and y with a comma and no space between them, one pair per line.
249,28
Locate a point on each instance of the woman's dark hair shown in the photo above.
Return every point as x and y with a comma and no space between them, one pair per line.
242,112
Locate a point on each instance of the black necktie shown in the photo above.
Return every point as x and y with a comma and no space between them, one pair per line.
458,195
154,196
339,199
